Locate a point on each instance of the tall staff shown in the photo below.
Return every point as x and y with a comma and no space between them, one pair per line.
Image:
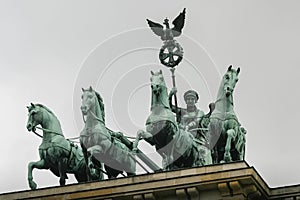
171,53
175,96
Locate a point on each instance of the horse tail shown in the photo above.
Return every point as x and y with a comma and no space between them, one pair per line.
241,139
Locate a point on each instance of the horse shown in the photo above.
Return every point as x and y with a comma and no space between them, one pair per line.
227,137
177,147
56,153
99,142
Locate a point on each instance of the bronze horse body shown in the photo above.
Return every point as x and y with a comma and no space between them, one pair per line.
98,141
227,137
56,153
177,147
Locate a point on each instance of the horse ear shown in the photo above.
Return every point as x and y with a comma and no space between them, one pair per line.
160,71
82,89
238,70
229,68
152,73
32,105
90,89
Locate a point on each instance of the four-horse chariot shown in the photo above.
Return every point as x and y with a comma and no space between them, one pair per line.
218,138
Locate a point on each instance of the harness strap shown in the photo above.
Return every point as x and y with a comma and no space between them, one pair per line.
220,99
100,120
70,154
47,130
37,134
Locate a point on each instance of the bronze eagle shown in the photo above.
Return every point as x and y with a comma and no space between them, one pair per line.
167,33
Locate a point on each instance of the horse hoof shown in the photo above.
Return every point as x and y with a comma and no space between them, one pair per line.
32,185
62,181
134,150
93,172
227,159
91,165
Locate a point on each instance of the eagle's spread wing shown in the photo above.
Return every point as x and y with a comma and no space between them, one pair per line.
178,24
157,28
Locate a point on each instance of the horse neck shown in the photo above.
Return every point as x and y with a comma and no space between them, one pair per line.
223,104
95,117
160,99
52,126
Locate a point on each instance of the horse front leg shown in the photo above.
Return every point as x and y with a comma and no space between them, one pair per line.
136,141
141,134
230,135
91,152
85,156
41,164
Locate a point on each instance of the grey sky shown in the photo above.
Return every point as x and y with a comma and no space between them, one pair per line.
50,49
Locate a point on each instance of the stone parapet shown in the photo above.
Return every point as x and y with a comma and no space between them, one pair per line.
234,181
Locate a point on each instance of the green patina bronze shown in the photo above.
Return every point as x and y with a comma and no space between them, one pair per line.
227,137
100,144
189,138
56,153
190,116
178,147
193,120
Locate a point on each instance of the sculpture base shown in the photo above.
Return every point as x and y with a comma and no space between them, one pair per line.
223,181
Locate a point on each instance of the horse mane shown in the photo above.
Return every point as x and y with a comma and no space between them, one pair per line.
49,111
101,104
221,89
46,108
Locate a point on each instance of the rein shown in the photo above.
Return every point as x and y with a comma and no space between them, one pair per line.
93,114
56,133
97,118
47,130
100,120
220,99
44,129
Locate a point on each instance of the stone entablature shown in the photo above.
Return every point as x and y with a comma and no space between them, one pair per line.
232,181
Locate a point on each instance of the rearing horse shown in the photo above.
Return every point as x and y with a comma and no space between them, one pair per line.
177,147
161,125
56,153
227,135
97,141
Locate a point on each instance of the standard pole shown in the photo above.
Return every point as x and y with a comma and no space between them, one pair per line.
175,96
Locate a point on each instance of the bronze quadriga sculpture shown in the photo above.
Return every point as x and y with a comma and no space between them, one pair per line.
183,140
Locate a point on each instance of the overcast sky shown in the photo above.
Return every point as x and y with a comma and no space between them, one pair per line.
50,49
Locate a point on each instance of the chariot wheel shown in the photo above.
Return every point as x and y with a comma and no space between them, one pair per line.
171,53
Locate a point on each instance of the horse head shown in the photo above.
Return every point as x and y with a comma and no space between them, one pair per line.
92,103
88,100
35,117
157,82
230,79
159,91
